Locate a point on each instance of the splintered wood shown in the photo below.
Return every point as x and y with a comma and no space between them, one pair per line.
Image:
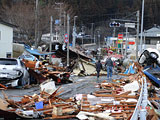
116,100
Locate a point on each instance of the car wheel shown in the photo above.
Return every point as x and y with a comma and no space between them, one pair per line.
20,82
28,82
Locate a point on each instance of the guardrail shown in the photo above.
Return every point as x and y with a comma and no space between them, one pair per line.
140,109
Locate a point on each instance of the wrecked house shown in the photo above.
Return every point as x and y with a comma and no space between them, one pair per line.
41,70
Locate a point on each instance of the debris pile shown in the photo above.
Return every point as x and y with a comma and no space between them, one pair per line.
42,72
115,100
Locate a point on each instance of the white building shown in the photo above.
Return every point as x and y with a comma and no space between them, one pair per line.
6,39
46,38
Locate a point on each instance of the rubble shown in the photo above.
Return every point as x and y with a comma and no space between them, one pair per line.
114,100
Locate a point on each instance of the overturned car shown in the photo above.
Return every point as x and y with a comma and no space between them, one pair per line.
13,72
150,59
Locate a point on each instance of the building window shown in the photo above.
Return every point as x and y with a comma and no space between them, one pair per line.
148,42
8,54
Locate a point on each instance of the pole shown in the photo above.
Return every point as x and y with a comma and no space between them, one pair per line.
68,27
99,44
74,32
60,36
144,40
92,33
114,32
94,39
98,39
142,26
60,23
126,43
64,22
137,37
51,38
36,24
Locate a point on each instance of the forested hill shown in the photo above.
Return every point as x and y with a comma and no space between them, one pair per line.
100,10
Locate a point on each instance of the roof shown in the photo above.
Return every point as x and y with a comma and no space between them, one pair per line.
153,32
7,24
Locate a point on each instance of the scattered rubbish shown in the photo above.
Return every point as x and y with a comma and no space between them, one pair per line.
113,101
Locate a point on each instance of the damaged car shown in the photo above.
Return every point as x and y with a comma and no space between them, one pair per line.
13,72
150,59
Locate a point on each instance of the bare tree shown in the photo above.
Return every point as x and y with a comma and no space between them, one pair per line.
22,14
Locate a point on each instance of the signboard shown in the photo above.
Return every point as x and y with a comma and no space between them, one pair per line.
120,41
57,22
130,25
120,36
66,40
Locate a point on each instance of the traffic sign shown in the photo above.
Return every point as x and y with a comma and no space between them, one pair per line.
66,40
66,36
130,25
120,36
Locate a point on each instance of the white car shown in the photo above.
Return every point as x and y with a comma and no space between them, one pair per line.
150,56
13,72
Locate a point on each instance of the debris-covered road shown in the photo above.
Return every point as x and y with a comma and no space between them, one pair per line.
80,85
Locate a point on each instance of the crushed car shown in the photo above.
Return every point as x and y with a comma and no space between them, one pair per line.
150,59
13,72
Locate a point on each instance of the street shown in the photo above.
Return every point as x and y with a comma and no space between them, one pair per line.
80,85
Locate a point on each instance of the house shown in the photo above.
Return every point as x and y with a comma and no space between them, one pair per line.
152,35
6,39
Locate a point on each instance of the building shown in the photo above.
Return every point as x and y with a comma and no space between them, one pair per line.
152,35
6,39
46,38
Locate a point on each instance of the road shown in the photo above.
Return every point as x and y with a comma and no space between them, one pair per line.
80,85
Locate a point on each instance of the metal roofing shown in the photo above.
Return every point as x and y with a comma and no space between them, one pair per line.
153,32
36,52
6,23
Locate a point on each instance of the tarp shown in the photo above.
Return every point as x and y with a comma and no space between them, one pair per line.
130,70
36,52
151,72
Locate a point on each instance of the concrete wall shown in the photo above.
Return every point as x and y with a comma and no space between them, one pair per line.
18,49
6,40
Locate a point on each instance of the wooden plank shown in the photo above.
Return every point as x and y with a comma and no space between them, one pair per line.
125,93
110,95
155,98
60,117
103,91
3,87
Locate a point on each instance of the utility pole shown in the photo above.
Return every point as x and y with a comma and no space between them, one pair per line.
98,39
126,43
137,36
68,28
142,26
36,25
51,38
74,32
60,21
144,39
92,32
64,22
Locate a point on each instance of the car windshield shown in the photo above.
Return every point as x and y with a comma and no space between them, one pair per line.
8,62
